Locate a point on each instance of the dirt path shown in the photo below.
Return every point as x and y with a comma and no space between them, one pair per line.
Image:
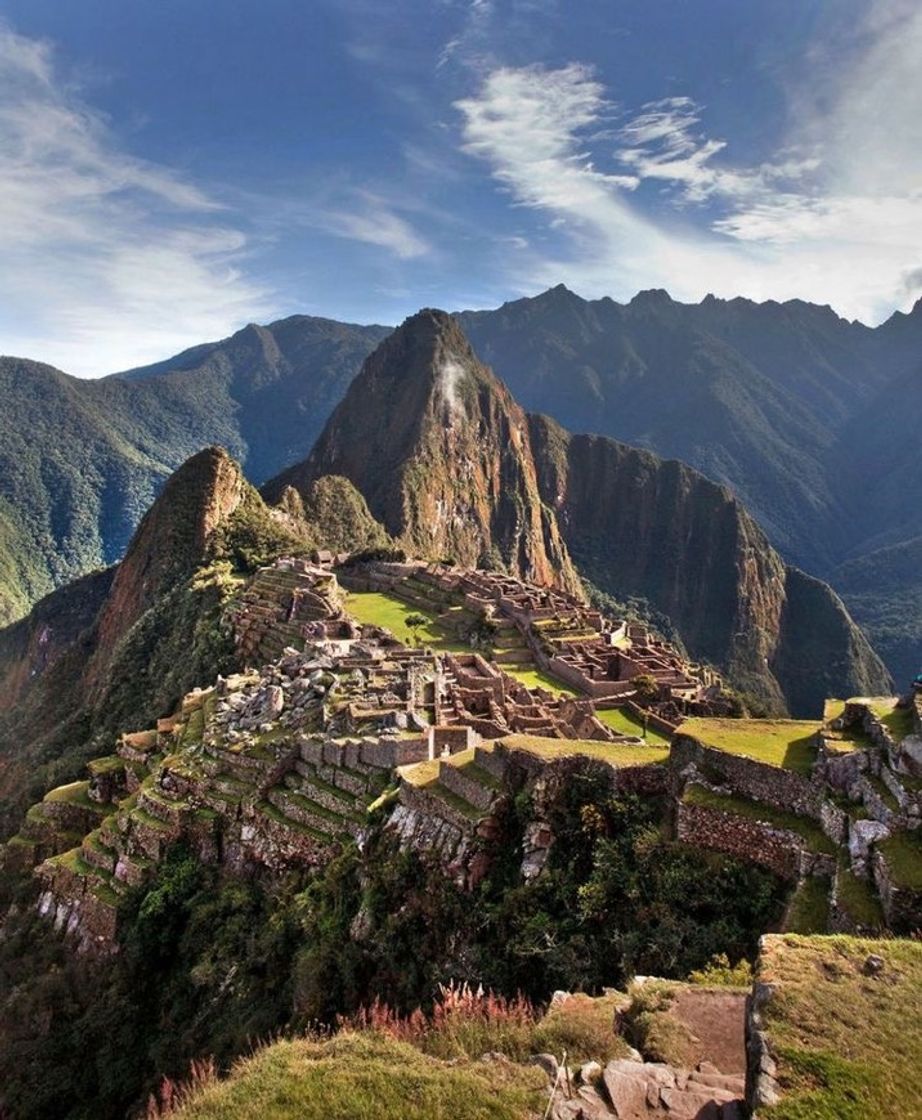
718,1018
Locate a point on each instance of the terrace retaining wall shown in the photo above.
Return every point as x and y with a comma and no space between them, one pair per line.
902,907
759,781
781,851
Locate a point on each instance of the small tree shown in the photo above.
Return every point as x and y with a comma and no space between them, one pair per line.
414,622
647,688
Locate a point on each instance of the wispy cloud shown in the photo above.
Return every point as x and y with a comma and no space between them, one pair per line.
107,260
835,215
376,223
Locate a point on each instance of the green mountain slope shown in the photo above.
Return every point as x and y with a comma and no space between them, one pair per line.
81,460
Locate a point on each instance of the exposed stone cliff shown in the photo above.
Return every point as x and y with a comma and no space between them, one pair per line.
638,525
441,452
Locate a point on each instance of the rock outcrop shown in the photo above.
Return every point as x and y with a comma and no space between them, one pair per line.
640,526
441,452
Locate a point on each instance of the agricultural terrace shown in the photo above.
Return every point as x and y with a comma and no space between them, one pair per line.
898,721
617,754
377,608
787,743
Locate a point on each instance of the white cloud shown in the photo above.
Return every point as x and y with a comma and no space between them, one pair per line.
106,260
376,223
835,216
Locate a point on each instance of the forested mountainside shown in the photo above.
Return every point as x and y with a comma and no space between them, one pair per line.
807,417
81,460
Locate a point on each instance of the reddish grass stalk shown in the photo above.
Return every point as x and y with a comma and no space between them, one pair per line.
172,1095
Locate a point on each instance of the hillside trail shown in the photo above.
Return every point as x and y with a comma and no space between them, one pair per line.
718,1019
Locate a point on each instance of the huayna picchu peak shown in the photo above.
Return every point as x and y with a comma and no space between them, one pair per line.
440,451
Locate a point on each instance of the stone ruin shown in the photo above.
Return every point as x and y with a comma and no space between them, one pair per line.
273,767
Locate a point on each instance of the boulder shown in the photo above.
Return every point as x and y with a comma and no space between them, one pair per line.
547,1062
862,835
274,701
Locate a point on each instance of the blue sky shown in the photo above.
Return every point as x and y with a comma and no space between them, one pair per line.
171,170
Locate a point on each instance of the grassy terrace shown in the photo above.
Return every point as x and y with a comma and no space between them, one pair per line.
808,830
903,853
537,678
848,1046
360,1076
76,793
809,908
625,723
898,721
425,775
857,899
377,608
787,743
617,754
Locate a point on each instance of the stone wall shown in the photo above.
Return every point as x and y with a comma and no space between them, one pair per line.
902,907
782,852
77,910
782,789
663,726
454,779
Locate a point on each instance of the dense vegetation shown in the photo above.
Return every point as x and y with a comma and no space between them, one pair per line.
209,963
80,461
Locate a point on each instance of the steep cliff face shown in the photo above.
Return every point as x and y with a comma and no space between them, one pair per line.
821,652
637,525
169,543
441,452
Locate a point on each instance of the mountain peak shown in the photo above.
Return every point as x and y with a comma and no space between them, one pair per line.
172,537
441,453
651,297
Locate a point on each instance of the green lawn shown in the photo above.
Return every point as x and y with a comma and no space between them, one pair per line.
378,608
848,1045
625,723
788,743
618,754
536,678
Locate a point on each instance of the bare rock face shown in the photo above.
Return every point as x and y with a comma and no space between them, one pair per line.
442,454
638,525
